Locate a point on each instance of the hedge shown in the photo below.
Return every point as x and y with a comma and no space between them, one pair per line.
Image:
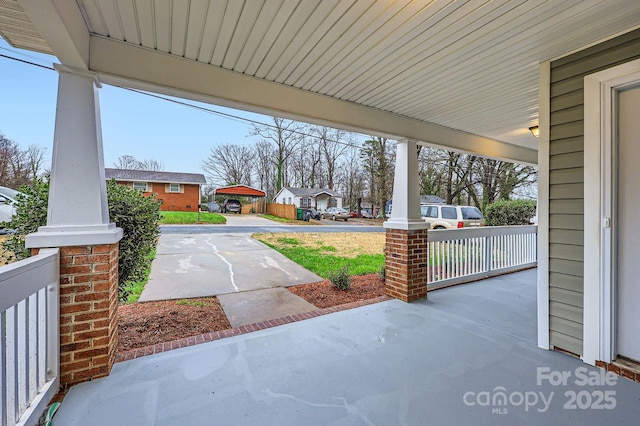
510,212
137,215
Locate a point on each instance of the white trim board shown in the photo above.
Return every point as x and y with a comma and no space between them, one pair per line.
543,204
126,65
599,308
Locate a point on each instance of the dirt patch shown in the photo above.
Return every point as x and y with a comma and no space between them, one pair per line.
345,244
145,324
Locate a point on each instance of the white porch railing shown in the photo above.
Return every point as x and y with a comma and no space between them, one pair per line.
458,255
29,337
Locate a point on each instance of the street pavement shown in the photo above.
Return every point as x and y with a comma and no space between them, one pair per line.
251,224
252,229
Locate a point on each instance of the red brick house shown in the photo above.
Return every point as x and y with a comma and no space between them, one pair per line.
177,191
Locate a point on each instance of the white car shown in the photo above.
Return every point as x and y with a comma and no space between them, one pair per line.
7,203
335,213
442,216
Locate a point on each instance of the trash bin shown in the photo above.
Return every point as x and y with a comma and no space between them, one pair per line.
299,213
307,215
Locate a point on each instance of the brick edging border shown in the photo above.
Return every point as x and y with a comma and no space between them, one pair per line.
243,329
619,370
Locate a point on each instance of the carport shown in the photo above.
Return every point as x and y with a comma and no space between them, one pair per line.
258,205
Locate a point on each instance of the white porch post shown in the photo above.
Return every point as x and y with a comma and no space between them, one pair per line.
78,223
406,260
78,211
405,213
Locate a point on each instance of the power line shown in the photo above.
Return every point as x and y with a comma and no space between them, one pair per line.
196,107
27,62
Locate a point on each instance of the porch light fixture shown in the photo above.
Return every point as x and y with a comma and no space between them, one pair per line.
534,131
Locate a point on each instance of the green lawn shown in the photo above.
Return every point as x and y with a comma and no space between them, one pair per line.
135,287
322,261
179,218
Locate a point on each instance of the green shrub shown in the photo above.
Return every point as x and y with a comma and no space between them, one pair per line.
138,216
31,213
382,272
510,212
341,278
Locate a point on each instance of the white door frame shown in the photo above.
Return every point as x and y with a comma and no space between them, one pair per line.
599,321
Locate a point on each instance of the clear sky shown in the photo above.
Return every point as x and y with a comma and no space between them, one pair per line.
132,124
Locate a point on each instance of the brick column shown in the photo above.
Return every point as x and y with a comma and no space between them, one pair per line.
406,248
406,264
88,312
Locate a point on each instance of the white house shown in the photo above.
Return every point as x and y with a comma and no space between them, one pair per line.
316,198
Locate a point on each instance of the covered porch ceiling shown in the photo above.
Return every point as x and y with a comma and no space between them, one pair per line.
456,74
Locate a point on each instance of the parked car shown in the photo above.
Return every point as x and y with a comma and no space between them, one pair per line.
335,213
231,206
211,207
442,216
7,206
363,214
315,214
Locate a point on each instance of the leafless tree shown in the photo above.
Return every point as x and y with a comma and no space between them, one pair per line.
34,156
229,164
333,144
151,165
19,167
129,162
350,177
286,135
378,162
265,168
500,179
126,162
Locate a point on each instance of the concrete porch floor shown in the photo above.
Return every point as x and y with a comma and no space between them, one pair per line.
439,361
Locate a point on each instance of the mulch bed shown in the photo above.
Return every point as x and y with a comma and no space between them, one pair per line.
145,324
150,323
324,294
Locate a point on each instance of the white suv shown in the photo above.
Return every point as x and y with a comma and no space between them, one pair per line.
442,216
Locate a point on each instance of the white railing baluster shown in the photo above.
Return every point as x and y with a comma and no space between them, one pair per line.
12,360
22,356
457,255
42,336
32,342
3,369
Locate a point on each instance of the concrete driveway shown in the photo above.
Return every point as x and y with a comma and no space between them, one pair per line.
199,265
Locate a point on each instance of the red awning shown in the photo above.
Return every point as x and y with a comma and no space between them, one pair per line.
241,191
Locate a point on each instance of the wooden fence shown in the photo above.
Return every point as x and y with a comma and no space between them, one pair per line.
259,206
287,211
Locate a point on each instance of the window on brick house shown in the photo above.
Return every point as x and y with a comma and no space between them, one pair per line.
140,186
174,187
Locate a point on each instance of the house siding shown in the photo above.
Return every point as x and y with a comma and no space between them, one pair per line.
566,183
186,200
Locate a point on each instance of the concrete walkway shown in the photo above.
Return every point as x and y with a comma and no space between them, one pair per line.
465,356
200,265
